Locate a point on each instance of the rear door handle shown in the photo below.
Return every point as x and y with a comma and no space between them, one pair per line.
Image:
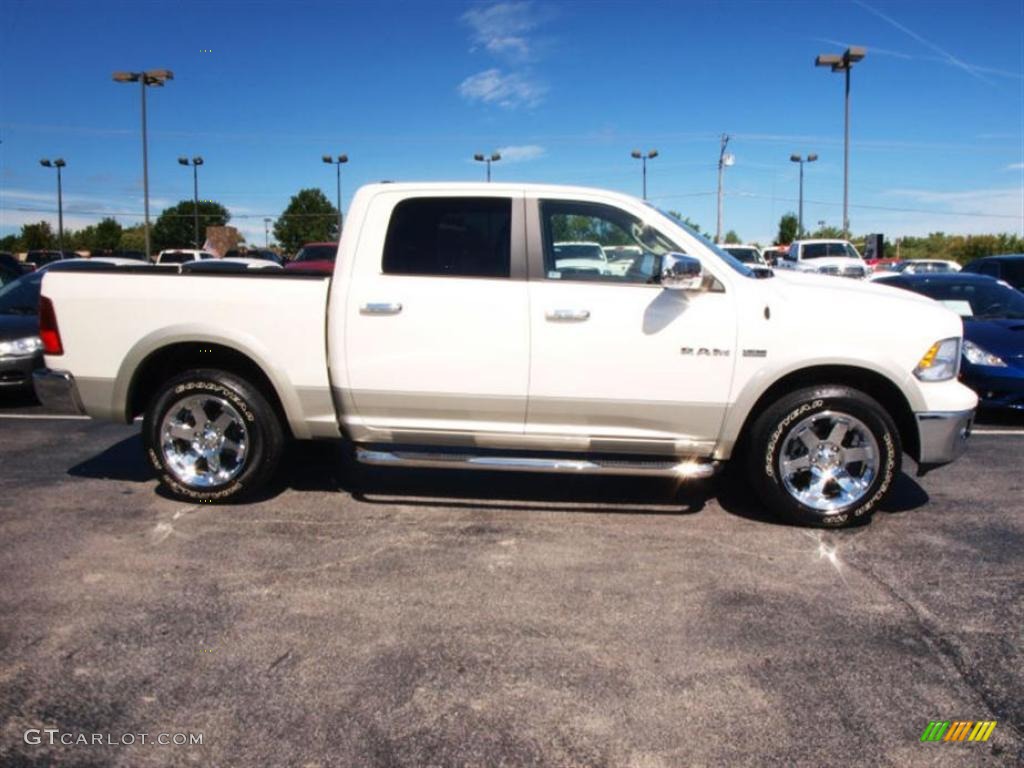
568,315
381,308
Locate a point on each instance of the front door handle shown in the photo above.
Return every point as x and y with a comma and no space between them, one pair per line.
568,315
381,308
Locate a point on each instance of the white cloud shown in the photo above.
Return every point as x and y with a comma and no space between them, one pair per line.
511,90
502,28
1015,167
504,31
521,154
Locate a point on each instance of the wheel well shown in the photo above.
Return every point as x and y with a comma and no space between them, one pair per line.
874,384
175,358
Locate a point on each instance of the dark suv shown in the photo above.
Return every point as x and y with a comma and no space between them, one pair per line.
1008,267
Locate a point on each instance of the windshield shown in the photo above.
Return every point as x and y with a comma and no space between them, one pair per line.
725,256
978,301
318,253
22,296
823,250
745,254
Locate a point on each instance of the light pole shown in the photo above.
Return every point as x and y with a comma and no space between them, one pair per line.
724,161
844,64
491,158
195,163
266,232
58,164
156,78
337,163
643,158
799,159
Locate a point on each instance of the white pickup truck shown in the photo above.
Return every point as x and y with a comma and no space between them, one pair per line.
448,337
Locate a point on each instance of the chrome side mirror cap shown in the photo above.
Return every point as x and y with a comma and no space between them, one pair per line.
680,272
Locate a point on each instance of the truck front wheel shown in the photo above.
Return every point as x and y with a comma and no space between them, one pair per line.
824,455
212,436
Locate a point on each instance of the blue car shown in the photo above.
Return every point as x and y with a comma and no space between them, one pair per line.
993,313
1008,267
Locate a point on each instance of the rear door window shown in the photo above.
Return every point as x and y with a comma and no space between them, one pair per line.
450,237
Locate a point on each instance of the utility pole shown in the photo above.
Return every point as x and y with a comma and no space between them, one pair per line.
723,161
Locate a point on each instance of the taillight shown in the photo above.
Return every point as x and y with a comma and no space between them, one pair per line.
48,330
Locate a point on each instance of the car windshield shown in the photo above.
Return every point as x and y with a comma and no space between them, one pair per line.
823,250
579,251
318,253
746,255
176,257
1013,272
979,301
22,296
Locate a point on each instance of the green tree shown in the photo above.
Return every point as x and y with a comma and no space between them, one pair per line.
787,229
132,239
732,237
176,225
38,236
10,243
107,235
828,232
309,218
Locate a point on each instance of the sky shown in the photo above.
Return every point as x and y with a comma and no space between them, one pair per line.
564,90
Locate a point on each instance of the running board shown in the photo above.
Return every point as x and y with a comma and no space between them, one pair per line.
683,470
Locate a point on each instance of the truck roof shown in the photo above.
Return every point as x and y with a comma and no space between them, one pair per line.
469,187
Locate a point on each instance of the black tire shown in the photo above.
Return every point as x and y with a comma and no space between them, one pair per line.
777,428
263,437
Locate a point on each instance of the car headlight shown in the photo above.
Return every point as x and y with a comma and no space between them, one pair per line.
978,356
18,347
941,362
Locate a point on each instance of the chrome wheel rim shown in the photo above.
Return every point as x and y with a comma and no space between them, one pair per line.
828,461
204,441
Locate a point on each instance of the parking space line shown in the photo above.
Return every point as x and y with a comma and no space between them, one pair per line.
997,431
47,416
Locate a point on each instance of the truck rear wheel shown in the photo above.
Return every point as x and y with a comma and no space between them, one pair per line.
212,436
824,456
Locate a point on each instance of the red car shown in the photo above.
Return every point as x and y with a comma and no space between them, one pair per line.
314,257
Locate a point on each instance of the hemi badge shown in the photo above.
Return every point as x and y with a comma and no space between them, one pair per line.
755,353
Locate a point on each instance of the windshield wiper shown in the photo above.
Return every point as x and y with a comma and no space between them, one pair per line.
19,310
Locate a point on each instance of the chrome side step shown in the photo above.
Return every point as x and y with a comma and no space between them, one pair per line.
684,470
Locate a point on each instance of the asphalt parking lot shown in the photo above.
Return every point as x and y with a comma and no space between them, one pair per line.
407,618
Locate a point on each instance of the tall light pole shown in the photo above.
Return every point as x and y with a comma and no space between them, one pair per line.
58,164
266,232
195,163
643,158
156,78
724,161
844,64
491,158
799,159
337,162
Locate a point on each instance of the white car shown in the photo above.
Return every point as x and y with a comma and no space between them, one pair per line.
182,255
580,257
826,257
449,338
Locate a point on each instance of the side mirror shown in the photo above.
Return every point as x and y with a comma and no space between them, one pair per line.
680,272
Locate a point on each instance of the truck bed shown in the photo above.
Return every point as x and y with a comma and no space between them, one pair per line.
113,320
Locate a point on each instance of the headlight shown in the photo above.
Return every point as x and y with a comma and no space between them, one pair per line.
941,362
17,347
978,356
